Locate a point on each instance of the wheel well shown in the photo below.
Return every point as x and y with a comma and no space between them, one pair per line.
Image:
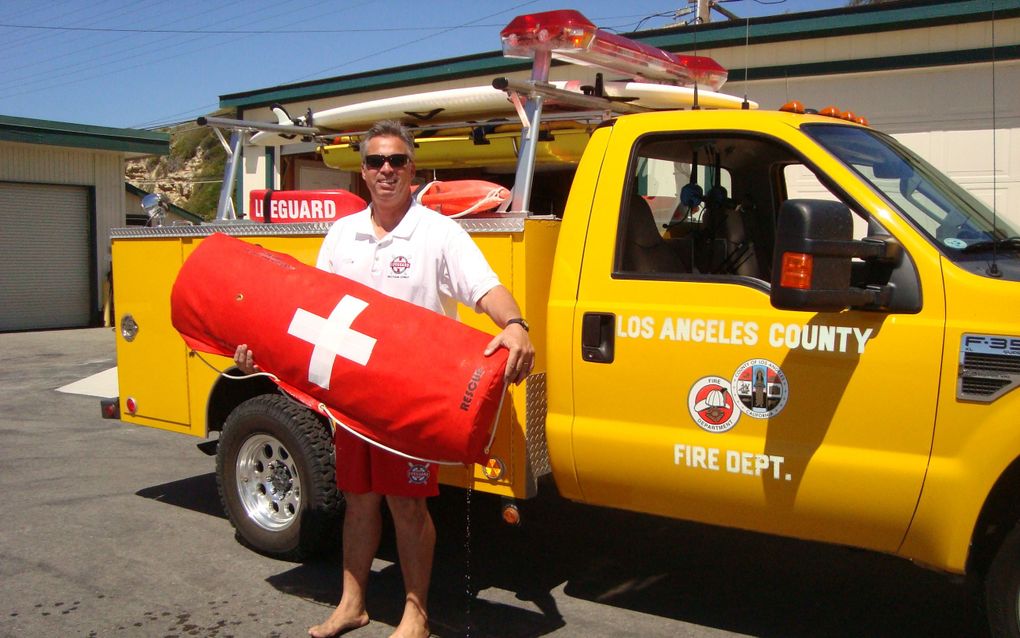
227,394
998,517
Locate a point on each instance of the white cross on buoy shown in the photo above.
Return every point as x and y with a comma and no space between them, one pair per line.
332,338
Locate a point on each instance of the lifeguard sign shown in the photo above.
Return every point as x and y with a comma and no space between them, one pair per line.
291,207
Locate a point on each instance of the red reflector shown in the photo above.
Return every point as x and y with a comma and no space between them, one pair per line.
131,405
511,515
796,272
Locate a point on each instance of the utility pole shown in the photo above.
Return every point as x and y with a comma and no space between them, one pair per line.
703,15
703,11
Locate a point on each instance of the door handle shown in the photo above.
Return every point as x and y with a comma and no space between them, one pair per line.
597,337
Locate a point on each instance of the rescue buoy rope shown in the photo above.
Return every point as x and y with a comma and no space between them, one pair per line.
335,422
338,423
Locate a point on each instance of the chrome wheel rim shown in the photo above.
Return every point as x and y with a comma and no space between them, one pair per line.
268,482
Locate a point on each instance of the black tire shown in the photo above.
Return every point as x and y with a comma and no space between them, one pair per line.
1002,588
276,478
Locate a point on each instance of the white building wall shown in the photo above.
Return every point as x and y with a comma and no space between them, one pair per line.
944,114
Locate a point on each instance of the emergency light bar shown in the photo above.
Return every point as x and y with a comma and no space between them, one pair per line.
570,36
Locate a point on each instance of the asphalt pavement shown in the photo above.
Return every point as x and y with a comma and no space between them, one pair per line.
111,529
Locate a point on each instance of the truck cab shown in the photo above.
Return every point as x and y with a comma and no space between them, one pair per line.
686,380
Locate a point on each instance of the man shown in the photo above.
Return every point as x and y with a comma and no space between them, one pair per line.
415,254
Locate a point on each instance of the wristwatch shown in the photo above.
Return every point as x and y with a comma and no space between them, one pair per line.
520,321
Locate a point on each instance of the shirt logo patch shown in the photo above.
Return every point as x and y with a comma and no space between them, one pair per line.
399,267
417,473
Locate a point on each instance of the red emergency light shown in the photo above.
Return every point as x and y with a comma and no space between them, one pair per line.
569,36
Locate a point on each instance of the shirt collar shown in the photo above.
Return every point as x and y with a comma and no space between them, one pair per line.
409,222
404,230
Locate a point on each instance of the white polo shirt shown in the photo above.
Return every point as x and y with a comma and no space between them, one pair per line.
428,259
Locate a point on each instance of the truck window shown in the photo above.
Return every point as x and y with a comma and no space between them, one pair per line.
801,183
698,206
958,223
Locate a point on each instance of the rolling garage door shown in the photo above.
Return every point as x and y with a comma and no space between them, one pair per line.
46,256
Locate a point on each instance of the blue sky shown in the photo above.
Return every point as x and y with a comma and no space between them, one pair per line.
149,62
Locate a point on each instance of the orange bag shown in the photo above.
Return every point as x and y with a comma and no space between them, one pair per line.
398,375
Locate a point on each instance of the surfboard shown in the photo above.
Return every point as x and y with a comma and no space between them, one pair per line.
668,96
563,146
450,105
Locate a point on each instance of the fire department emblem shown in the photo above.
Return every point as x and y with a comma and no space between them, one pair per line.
711,404
761,388
399,266
417,473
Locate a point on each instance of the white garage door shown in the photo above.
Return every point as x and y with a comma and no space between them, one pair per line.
45,256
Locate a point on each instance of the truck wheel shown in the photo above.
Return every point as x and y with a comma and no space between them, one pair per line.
1002,588
276,478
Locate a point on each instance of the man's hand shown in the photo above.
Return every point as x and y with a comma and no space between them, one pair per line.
245,359
522,354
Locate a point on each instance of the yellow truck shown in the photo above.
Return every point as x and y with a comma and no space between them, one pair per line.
711,345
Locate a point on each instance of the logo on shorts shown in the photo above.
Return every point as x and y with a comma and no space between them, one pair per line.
399,266
417,473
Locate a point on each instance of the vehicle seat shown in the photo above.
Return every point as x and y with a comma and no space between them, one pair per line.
730,249
645,250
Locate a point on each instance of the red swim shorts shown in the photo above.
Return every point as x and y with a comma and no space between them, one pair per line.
362,467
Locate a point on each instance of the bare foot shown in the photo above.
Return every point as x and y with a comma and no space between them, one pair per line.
417,631
414,624
339,622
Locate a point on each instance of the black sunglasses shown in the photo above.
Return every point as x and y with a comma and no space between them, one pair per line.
397,160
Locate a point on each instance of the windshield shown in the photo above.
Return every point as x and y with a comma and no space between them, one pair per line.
956,220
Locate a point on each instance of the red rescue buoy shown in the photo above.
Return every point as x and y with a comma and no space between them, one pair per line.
460,197
403,377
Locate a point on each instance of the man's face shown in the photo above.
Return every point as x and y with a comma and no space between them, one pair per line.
388,185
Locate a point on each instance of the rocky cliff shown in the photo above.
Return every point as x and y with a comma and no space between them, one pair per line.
190,176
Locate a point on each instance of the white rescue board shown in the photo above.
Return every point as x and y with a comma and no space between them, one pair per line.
668,96
450,105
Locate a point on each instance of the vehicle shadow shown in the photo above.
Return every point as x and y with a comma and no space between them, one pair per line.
197,493
726,579
706,576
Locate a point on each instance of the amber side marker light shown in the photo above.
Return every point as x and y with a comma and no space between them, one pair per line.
797,269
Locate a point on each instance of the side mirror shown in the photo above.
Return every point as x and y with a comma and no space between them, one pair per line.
813,257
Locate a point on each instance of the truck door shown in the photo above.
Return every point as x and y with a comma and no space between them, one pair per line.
695,398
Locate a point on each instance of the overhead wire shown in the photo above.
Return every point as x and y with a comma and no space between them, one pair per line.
90,48
169,119
59,13
125,49
144,54
148,49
